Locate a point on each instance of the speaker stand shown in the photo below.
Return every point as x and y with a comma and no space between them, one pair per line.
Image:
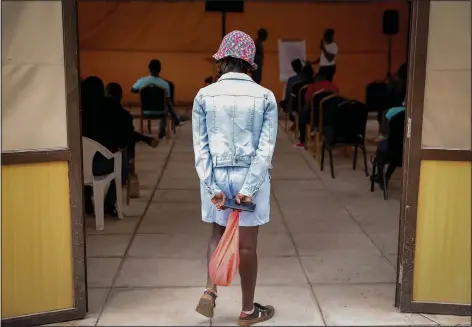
389,60
223,24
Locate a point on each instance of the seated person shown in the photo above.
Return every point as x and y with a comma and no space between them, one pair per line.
382,147
115,92
297,67
103,123
389,114
396,92
153,78
306,78
321,83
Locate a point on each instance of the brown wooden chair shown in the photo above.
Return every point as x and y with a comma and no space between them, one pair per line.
309,140
300,104
296,102
323,97
154,107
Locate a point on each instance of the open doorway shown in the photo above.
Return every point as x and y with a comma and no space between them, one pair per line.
153,256
328,255
110,35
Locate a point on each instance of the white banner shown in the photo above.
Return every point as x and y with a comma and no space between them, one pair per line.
288,51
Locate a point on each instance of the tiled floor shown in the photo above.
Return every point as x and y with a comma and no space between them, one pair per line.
327,257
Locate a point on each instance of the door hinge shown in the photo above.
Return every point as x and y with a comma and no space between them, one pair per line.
408,128
400,274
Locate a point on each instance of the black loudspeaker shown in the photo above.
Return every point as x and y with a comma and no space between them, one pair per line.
390,22
224,5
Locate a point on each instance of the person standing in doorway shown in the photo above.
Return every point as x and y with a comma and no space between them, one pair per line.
329,51
262,36
234,128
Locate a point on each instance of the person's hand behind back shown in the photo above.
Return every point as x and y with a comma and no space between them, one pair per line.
240,198
219,201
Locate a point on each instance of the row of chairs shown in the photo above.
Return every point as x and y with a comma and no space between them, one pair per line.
341,122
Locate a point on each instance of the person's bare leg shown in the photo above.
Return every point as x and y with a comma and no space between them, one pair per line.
248,265
217,232
206,304
251,313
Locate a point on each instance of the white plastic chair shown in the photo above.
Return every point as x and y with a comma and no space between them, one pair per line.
101,184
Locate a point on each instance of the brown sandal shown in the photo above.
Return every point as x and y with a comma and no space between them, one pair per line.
206,305
261,313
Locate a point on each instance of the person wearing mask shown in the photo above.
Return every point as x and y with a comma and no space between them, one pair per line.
329,51
103,122
235,167
262,36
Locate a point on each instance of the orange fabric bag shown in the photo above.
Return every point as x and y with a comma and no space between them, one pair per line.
225,261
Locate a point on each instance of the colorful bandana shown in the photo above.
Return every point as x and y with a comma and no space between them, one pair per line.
239,45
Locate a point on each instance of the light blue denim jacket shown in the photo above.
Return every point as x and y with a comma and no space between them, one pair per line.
234,124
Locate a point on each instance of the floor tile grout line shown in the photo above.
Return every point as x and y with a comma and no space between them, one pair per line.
190,257
122,261
287,285
436,323
292,239
345,208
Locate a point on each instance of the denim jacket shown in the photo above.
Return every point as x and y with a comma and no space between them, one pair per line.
234,124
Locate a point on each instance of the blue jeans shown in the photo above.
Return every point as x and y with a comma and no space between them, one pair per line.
383,145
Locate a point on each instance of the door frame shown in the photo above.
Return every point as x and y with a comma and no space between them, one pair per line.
413,155
73,155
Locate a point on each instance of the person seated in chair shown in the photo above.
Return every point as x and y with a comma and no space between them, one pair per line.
297,67
321,83
154,78
115,92
306,78
103,122
382,146
396,93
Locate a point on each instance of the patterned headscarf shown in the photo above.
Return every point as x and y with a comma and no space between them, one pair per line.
239,45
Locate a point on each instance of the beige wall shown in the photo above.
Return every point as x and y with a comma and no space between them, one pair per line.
33,84
447,108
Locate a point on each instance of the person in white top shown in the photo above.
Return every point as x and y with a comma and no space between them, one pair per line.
329,51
